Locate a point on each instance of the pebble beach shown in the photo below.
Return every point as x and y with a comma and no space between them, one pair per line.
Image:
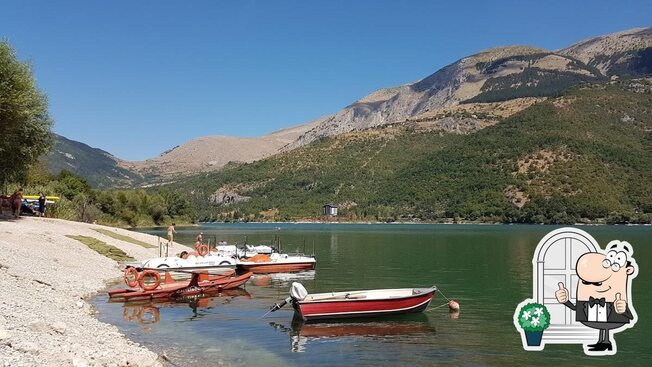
46,280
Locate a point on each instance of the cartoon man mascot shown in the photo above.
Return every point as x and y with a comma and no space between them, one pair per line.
604,293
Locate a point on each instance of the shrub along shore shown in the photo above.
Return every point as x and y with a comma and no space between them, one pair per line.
116,208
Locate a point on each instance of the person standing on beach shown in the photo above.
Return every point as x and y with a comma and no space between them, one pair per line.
171,232
41,205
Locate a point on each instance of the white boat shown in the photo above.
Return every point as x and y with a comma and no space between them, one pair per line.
211,262
247,251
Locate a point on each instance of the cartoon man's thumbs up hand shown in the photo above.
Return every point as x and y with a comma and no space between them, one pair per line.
562,294
620,305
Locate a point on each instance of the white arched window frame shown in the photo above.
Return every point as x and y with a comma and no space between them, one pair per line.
554,261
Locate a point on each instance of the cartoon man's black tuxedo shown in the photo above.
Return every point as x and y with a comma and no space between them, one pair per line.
582,312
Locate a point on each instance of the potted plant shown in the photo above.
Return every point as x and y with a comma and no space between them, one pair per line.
533,319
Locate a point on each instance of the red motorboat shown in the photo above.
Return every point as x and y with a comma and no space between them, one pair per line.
200,283
356,304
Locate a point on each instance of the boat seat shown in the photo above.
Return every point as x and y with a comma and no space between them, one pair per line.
334,297
349,296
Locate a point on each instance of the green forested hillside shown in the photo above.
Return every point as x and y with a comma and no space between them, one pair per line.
98,167
585,156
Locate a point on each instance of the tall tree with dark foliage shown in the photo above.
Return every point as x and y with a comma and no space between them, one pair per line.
24,120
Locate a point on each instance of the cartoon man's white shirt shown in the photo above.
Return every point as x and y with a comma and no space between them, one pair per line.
597,313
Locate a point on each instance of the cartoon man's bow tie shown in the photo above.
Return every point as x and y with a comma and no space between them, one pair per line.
594,301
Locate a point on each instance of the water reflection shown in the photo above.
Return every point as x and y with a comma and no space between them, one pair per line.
301,334
142,314
282,279
149,312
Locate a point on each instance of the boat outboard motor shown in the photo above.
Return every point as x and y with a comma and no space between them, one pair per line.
297,293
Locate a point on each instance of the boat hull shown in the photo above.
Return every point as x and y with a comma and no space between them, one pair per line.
214,286
134,294
362,308
199,284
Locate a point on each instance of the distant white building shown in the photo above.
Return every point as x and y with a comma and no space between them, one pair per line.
330,210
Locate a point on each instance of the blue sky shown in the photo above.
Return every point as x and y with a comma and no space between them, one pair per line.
139,77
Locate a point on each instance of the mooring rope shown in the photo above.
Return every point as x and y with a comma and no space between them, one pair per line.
442,293
442,305
434,308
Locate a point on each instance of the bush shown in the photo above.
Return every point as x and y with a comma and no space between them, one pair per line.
534,317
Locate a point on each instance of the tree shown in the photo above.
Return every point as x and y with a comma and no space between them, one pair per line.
71,185
176,204
86,211
24,120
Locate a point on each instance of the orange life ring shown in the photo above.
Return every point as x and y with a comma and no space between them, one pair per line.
131,272
202,250
151,286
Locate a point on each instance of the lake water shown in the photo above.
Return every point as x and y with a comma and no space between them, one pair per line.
486,267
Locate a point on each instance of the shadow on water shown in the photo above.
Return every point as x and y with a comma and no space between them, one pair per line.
487,268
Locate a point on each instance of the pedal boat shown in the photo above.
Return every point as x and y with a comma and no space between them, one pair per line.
192,262
200,283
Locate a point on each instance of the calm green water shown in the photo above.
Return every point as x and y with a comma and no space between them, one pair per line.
487,268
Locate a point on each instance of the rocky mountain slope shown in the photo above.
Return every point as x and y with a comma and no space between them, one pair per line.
212,152
494,75
584,156
626,53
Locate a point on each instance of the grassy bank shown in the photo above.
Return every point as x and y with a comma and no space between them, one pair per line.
103,248
121,237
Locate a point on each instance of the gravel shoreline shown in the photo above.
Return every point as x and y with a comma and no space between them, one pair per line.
45,279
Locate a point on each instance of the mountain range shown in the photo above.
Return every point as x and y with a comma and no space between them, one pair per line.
466,96
582,156
103,170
